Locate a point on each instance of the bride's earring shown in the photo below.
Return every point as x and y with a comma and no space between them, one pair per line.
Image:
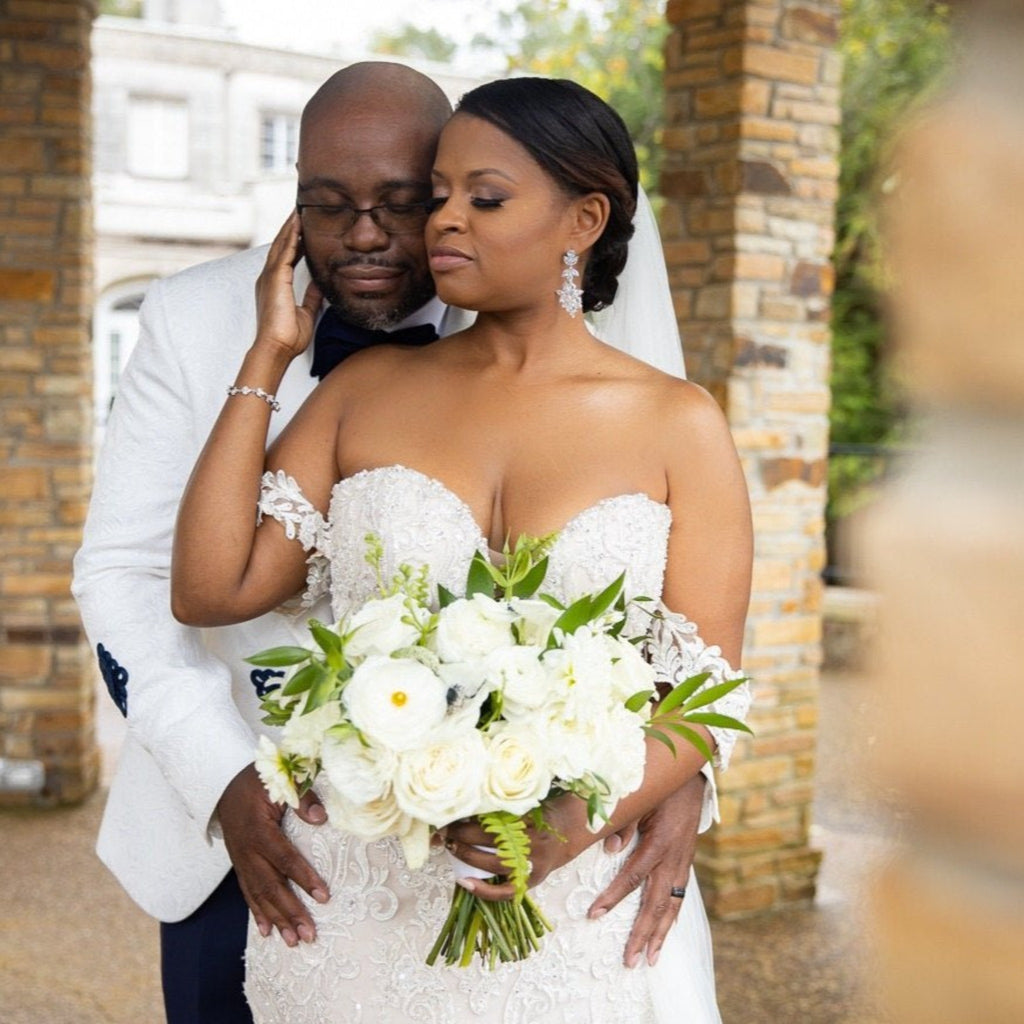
570,298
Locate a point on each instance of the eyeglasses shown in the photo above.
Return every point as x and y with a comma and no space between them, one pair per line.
337,219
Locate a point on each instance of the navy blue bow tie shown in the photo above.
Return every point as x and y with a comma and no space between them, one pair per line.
336,340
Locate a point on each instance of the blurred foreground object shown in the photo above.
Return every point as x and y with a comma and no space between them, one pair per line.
946,549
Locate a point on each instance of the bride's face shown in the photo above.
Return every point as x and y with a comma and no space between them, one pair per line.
501,223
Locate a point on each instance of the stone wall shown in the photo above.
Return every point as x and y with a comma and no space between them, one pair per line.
45,300
750,179
946,551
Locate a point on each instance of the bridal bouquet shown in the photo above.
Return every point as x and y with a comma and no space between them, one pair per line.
419,709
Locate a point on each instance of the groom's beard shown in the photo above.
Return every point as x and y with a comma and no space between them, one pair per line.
368,310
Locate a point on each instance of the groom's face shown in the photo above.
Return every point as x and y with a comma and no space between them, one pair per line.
365,158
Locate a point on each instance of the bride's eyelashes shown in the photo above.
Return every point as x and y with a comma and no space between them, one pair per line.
479,202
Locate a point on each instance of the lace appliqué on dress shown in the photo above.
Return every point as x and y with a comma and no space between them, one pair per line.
676,652
282,499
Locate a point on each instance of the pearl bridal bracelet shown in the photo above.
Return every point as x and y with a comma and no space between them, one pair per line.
270,399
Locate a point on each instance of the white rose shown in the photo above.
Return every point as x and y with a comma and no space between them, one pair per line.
273,772
471,628
358,772
303,734
521,677
380,626
367,821
517,775
570,744
441,782
395,702
581,673
535,620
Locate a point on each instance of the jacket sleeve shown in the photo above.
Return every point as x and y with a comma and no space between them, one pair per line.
176,696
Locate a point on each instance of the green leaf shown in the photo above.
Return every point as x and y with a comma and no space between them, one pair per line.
692,735
444,596
719,721
303,680
638,700
479,579
681,691
656,734
280,657
322,690
576,615
530,583
603,601
711,694
327,640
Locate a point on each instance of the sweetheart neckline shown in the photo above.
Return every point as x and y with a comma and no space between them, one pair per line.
464,507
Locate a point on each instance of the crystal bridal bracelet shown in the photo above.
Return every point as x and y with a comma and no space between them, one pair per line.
270,399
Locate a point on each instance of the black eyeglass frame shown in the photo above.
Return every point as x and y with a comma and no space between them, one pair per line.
426,207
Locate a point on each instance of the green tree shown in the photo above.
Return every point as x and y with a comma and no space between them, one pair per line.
122,8
410,41
613,47
894,53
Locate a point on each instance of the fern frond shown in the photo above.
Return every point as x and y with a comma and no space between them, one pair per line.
512,842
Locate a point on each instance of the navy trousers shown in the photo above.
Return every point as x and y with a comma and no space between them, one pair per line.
202,961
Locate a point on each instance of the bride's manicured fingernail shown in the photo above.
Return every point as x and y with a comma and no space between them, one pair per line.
613,844
264,927
652,958
467,883
306,933
633,961
320,895
596,912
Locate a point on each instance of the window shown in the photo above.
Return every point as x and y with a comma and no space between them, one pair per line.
115,332
157,137
279,136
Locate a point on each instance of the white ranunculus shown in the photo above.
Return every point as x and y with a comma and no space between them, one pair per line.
580,673
303,734
569,742
517,773
360,773
380,626
471,628
521,677
440,782
273,772
536,618
395,702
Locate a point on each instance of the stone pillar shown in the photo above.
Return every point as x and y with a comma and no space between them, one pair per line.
46,703
946,551
750,180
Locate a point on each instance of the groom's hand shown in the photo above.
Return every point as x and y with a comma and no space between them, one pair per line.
264,859
661,860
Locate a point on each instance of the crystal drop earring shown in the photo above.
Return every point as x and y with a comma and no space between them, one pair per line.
570,297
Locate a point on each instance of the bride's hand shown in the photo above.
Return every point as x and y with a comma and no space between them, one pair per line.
550,848
281,323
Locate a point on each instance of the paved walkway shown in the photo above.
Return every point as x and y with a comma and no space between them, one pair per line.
75,950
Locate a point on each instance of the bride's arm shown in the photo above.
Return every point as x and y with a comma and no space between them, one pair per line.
707,579
224,568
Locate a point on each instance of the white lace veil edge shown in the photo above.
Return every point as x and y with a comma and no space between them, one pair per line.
642,321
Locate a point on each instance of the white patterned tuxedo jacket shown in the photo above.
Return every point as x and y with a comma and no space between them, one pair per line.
190,701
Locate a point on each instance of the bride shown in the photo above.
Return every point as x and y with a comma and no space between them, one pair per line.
525,423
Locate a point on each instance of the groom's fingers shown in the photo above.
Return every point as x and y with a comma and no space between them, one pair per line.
264,860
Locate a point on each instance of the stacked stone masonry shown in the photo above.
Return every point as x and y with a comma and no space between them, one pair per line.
750,180
46,703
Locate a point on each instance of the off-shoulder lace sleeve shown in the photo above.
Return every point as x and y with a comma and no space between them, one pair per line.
282,499
677,652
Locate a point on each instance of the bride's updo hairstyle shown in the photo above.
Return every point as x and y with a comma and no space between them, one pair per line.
583,145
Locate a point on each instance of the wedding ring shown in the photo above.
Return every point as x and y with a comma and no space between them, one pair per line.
679,891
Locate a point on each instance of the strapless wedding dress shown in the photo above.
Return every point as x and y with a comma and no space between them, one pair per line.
367,965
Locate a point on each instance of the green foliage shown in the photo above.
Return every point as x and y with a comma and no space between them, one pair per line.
122,8
410,41
894,52
613,47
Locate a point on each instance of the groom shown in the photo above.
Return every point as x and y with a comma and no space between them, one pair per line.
188,829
